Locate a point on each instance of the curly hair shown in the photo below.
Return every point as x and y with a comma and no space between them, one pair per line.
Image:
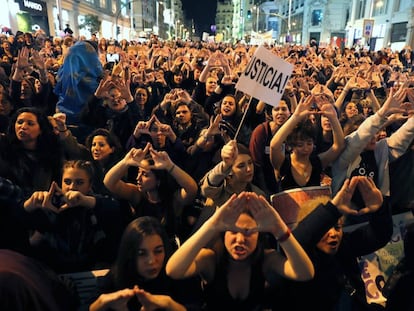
112,140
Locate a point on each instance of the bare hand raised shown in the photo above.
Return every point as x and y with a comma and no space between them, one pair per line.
370,194
135,156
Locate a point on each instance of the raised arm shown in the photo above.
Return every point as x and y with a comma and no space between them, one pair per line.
192,258
313,225
188,185
400,140
39,62
277,153
393,102
338,144
370,194
22,65
207,68
374,100
212,182
113,178
357,140
348,86
295,263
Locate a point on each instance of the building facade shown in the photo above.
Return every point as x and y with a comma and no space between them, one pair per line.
118,19
369,23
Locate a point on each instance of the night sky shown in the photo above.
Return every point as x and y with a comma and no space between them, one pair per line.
202,12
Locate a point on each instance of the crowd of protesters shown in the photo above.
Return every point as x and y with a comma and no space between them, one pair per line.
144,158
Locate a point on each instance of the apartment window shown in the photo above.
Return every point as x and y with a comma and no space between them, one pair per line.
273,25
317,17
81,19
360,9
380,7
397,5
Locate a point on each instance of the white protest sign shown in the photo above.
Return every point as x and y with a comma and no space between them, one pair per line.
378,266
265,77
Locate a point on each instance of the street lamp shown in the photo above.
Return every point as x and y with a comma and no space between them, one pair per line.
192,30
257,8
170,22
181,31
226,32
176,28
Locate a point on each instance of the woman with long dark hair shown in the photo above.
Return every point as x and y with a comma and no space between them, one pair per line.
155,193
137,279
30,153
237,269
105,151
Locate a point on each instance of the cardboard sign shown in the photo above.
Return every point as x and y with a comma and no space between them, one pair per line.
377,267
289,202
265,77
368,28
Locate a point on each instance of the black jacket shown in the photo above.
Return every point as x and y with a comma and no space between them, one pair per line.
338,277
122,124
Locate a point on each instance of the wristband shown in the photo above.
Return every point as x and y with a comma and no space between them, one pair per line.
284,236
171,169
205,137
65,130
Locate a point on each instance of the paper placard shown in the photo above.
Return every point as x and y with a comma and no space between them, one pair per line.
265,76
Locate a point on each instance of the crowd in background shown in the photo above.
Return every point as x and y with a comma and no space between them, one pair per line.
144,158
